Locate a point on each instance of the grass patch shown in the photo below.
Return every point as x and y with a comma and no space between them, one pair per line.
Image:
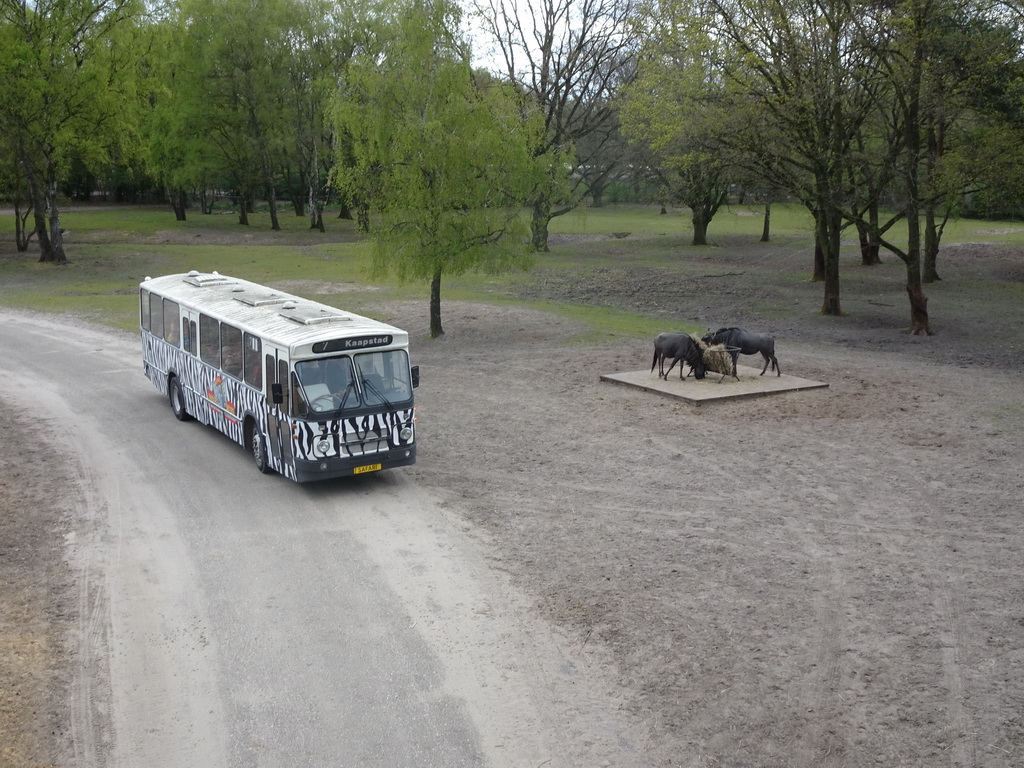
112,249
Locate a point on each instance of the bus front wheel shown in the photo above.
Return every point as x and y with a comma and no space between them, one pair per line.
259,449
177,396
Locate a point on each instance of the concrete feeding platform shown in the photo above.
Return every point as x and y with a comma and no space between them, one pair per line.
713,387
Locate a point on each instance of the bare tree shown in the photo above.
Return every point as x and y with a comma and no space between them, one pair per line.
568,57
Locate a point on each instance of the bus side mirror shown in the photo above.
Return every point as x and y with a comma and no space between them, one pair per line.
276,394
415,376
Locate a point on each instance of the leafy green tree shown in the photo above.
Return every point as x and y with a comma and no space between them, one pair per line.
674,108
67,68
223,99
444,163
325,35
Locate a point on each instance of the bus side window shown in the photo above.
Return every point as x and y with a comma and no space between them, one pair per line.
271,369
252,367
171,322
282,379
188,335
231,350
209,340
156,315
298,405
144,309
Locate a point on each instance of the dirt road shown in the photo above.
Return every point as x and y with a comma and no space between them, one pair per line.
207,615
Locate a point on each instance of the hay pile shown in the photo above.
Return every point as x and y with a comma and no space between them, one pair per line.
716,359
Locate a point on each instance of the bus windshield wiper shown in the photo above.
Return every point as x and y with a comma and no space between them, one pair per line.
377,392
344,397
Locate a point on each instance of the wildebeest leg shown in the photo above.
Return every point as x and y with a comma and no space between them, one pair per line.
735,356
681,362
766,361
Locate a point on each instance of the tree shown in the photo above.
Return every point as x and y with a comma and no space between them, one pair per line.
787,78
674,108
444,160
225,97
933,58
569,57
325,35
67,71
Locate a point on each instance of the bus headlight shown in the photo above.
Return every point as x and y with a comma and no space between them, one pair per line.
323,447
406,433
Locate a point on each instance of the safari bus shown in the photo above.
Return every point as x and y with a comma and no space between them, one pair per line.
312,391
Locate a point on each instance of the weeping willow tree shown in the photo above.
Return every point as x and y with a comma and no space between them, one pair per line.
440,155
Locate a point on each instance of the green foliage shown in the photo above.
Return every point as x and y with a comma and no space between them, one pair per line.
444,163
116,248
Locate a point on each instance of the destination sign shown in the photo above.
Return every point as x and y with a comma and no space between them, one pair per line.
354,343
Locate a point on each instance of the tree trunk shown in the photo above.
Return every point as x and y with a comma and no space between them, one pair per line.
929,271
275,225
539,225
829,227
435,306
869,246
344,210
818,275
918,310
915,290
57,255
243,211
911,171
316,213
363,217
766,229
313,207
700,226
177,198
35,188
22,235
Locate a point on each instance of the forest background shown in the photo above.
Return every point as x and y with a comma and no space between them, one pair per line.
437,140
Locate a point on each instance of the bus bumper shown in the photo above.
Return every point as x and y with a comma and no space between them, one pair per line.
325,469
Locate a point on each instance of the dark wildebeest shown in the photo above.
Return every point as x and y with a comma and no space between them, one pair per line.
680,348
741,342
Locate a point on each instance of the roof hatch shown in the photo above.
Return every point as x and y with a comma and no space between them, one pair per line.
306,315
261,299
199,279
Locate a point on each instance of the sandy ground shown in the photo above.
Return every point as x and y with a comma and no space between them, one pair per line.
821,578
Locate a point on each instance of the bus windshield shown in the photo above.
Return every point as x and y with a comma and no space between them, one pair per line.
334,384
384,377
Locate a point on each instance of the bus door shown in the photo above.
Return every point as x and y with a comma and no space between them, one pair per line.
280,434
189,333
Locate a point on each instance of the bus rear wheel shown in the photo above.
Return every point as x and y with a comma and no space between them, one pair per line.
258,446
177,397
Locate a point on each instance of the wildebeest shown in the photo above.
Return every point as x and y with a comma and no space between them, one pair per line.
741,342
680,348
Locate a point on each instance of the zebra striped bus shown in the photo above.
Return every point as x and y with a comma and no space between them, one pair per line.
314,392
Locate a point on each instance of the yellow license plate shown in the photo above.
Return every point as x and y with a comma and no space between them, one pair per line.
367,468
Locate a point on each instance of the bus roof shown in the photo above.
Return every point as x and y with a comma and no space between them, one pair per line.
275,316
